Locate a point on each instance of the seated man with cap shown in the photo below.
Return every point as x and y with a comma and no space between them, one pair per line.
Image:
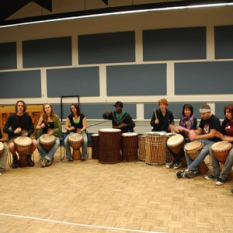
120,119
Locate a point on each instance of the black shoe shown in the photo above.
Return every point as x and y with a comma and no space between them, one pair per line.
30,162
70,160
15,162
83,160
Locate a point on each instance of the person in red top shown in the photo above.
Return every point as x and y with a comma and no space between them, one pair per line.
225,134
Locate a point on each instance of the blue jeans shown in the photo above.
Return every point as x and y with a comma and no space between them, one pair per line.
48,155
84,146
227,167
193,164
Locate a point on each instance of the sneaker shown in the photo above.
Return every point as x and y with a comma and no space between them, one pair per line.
191,174
48,162
42,162
232,189
70,160
181,174
220,181
177,165
211,177
170,165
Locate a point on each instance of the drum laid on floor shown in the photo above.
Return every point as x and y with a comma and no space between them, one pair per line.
76,141
95,145
129,146
142,147
23,146
109,145
176,145
220,151
193,149
155,148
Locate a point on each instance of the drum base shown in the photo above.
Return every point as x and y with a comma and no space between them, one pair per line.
23,161
203,169
76,154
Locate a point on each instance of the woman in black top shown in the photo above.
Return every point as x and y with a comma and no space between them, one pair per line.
76,122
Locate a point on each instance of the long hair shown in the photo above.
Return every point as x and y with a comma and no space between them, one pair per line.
190,107
228,107
78,112
45,116
24,106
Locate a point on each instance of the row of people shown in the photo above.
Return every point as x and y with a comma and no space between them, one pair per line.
20,124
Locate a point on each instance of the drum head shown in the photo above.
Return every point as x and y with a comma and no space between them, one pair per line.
46,138
23,141
95,135
75,137
175,140
110,130
129,134
156,133
221,146
193,145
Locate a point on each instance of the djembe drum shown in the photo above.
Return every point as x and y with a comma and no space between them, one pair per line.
155,148
169,156
109,146
129,146
23,146
193,149
95,145
47,141
176,145
220,151
76,141
142,147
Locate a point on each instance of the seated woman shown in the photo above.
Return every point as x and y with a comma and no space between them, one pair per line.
226,134
50,124
187,122
76,122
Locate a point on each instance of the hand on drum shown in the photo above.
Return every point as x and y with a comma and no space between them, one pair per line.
50,131
42,125
78,131
218,135
24,133
122,125
156,122
192,135
18,130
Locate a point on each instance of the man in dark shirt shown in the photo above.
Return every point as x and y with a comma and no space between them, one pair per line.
20,124
120,119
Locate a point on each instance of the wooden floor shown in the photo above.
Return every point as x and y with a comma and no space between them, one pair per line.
90,197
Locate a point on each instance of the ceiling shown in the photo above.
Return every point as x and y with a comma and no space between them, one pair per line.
11,10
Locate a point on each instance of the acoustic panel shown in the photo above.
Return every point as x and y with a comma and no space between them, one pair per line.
129,80
8,56
106,48
73,81
174,44
47,52
203,78
219,109
223,42
20,84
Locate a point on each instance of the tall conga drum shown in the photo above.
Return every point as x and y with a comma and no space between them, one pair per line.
155,148
23,146
109,145
142,147
193,149
220,151
169,156
76,141
47,141
176,145
129,146
95,145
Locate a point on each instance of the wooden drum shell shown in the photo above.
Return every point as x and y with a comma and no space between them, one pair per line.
129,146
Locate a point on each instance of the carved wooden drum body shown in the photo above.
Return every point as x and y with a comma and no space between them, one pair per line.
76,141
